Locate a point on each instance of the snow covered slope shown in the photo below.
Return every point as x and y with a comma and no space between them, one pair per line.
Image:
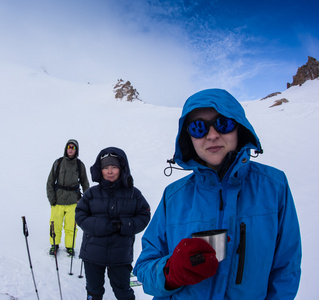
40,113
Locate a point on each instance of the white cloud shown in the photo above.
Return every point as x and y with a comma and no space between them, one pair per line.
162,47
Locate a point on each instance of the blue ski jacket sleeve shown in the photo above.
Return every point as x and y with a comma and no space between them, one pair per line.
253,202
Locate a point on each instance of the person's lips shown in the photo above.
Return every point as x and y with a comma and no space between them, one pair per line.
214,149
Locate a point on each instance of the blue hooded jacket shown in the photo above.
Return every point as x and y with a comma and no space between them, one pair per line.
110,214
251,200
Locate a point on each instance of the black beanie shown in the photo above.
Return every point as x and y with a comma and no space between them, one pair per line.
110,160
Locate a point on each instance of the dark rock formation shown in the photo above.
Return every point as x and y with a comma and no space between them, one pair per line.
279,102
125,90
271,95
309,71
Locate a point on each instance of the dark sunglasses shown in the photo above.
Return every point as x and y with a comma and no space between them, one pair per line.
108,154
71,147
199,128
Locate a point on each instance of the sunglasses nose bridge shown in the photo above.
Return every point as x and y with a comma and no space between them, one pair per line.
211,130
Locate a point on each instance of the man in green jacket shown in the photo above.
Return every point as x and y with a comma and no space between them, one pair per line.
63,191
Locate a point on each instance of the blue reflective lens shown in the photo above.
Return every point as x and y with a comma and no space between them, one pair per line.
199,128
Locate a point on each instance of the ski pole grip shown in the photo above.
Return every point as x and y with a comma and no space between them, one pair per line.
25,227
52,233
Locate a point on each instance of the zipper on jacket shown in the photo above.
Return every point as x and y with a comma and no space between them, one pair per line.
241,251
221,202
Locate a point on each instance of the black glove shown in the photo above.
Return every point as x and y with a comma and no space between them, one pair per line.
53,202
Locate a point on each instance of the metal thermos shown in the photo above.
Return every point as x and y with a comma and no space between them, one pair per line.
217,239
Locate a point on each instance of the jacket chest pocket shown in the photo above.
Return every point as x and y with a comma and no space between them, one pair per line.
119,207
127,208
241,251
255,248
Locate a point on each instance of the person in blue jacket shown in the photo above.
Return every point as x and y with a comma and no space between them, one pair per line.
226,190
110,214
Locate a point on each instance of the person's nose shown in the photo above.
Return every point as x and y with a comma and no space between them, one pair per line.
212,133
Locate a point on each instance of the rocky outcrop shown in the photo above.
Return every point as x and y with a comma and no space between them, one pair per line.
279,102
271,95
125,90
309,71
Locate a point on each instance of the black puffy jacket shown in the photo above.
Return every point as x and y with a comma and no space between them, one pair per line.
110,214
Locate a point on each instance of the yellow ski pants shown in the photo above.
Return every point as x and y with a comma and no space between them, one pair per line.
66,213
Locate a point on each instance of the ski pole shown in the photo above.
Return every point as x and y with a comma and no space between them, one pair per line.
81,276
52,233
26,233
72,248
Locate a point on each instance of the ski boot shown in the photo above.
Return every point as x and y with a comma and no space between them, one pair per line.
54,249
70,251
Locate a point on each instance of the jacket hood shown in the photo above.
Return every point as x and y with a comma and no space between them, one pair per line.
125,177
75,142
225,104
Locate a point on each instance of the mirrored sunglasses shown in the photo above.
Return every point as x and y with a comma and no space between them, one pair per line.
71,147
199,128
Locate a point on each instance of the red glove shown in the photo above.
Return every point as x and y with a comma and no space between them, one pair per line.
192,261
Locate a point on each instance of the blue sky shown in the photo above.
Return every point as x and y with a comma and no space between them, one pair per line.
167,49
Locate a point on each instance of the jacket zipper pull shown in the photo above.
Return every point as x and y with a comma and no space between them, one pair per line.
221,202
